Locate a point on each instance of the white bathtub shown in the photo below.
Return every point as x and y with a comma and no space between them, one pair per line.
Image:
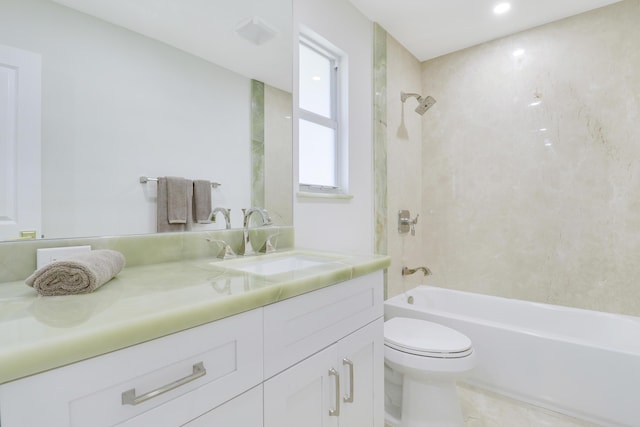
578,362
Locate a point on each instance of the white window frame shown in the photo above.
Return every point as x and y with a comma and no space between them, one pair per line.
333,122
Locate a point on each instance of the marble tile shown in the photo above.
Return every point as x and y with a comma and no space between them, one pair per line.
380,138
486,409
528,172
278,155
257,143
404,163
18,259
531,166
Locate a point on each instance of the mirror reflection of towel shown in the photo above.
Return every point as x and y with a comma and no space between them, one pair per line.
178,200
174,204
202,201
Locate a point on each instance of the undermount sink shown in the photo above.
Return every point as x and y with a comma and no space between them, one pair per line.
281,264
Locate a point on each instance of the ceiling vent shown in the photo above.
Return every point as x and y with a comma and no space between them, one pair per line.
255,30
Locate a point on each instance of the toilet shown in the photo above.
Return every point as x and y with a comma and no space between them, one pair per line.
423,360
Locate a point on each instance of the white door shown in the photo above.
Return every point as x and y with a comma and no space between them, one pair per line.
362,373
20,94
302,395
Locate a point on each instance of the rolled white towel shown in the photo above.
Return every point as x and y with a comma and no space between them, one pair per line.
78,274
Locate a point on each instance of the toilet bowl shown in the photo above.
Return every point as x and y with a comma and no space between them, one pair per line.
423,360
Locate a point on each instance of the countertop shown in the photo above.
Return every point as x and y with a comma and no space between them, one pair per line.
145,302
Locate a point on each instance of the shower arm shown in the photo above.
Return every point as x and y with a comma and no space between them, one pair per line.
404,96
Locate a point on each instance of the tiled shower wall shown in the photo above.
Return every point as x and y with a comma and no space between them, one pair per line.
531,164
529,180
404,166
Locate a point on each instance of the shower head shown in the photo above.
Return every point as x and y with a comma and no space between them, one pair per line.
424,102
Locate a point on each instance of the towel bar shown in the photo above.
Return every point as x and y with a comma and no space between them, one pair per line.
145,179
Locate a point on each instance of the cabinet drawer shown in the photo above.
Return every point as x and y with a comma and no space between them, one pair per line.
243,411
90,393
298,327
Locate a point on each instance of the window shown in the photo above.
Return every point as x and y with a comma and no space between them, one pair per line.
319,127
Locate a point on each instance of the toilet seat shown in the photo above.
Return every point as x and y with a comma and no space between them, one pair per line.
424,338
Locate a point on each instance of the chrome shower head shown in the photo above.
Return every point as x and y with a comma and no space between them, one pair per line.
424,102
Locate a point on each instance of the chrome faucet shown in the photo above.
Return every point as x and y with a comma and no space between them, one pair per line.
224,250
407,271
266,220
264,215
226,213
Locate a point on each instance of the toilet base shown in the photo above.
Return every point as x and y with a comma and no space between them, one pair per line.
430,404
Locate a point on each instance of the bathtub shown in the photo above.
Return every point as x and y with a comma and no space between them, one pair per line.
582,363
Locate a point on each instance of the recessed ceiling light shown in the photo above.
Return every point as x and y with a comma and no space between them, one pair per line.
315,78
501,8
518,52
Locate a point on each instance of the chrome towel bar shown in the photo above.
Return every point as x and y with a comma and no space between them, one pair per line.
145,179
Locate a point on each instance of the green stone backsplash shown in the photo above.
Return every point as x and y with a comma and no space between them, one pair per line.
18,259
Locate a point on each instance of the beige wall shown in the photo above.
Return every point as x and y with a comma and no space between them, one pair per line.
531,164
404,168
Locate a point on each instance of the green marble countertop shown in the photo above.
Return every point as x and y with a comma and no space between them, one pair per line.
146,302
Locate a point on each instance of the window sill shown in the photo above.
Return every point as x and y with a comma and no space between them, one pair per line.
312,195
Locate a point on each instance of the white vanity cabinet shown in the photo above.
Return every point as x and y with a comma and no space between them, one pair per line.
198,369
325,352
311,360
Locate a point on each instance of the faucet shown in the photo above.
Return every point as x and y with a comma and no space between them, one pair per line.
224,251
266,220
407,271
226,213
264,215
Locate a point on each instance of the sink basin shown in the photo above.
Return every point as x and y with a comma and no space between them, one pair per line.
283,264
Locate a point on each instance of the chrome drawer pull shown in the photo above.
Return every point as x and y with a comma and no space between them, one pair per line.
129,397
336,411
348,398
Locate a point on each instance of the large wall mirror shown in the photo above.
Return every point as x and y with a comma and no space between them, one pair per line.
156,88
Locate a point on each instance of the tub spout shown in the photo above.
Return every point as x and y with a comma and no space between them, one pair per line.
407,271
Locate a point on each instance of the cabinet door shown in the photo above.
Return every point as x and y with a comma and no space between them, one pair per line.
362,374
303,394
245,411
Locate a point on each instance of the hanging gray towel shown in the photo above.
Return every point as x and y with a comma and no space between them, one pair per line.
77,274
177,198
202,201
164,206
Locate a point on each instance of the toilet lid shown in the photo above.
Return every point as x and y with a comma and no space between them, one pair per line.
421,337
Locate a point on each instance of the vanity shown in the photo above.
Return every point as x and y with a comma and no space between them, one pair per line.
270,340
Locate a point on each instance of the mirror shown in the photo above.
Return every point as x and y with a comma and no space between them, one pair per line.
156,88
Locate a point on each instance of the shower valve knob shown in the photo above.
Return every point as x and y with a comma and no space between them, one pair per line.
413,223
405,223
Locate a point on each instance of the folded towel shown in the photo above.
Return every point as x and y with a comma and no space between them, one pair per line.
177,210
78,274
162,208
202,201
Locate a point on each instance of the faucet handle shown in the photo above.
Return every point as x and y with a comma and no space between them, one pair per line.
413,223
405,223
225,251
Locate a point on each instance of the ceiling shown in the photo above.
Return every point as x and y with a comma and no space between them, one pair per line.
206,28
431,28
427,28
